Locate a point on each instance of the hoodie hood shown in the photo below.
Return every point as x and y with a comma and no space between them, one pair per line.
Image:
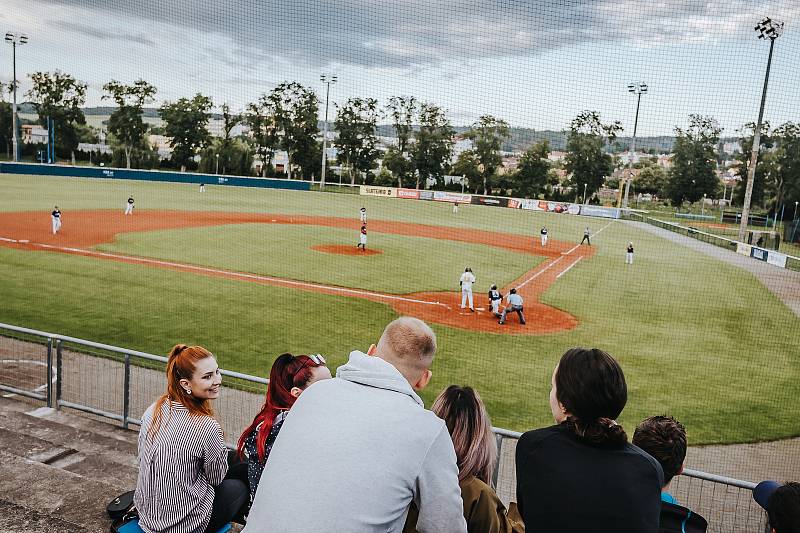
373,371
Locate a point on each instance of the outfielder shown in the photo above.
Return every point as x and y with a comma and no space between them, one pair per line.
466,281
543,233
55,216
363,215
129,206
362,238
629,254
495,297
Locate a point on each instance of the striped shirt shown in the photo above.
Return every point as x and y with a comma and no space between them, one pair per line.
179,466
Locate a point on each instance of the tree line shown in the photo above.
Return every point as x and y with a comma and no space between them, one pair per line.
286,119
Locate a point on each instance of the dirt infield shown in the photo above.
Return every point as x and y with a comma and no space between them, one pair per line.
342,249
82,230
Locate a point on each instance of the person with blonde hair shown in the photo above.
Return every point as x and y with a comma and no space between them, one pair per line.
183,462
466,419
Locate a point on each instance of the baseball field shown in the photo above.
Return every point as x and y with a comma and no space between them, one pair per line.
251,273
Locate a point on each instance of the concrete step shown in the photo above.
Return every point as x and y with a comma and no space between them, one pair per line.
57,431
53,497
18,519
119,472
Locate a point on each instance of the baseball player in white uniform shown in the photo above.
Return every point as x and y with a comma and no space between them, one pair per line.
544,235
466,281
363,215
129,206
55,216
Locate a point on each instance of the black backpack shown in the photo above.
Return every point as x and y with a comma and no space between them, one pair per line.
121,510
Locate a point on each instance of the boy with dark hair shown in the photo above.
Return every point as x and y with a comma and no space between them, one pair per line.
664,438
782,503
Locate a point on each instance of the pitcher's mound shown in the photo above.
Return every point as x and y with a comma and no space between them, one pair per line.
344,250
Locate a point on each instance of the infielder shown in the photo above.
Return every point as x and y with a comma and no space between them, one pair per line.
586,234
495,297
129,206
362,238
55,216
466,281
629,254
363,215
543,233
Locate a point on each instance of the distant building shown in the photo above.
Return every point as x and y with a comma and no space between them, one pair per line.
732,147
216,127
34,134
556,155
664,161
95,147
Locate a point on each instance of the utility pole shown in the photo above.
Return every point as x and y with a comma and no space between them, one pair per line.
15,39
327,80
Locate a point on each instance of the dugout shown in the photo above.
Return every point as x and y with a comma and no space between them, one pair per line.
769,240
733,217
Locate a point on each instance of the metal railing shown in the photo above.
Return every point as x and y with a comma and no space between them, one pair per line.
111,382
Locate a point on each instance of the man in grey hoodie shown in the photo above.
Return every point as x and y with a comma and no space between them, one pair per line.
356,450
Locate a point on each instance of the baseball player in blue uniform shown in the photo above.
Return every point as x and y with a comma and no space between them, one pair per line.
495,297
55,216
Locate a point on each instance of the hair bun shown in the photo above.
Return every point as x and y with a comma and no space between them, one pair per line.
176,350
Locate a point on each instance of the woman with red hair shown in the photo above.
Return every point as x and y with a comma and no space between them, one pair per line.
289,377
182,485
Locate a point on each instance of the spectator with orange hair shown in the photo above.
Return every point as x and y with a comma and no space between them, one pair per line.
289,377
182,485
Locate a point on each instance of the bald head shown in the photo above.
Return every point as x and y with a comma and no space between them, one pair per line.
409,345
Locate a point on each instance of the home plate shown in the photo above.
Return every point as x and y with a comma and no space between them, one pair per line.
24,241
480,309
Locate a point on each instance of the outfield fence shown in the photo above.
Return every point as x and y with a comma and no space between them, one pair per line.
117,384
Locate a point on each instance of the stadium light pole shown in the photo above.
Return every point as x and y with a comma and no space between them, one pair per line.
327,80
767,29
795,211
15,39
638,88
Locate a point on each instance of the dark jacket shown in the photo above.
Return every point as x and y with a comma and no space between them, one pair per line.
565,484
677,519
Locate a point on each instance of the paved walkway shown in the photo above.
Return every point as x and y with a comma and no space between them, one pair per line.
783,283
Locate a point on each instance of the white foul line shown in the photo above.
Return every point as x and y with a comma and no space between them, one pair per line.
569,267
538,273
230,273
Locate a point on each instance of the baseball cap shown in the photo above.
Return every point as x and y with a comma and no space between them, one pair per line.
763,491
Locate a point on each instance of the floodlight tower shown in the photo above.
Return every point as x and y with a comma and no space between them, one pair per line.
327,80
15,39
767,29
637,88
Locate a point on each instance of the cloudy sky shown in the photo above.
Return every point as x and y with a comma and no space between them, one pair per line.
535,63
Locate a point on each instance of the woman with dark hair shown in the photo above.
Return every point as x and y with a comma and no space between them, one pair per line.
582,474
470,429
182,485
289,377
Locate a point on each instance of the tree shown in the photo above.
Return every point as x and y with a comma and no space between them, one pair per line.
487,135
126,122
534,176
226,150
59,96
784,189
185,124
356,123
694,162
587,162
467,166
296,111
651,180
763,166
433,148
402,110
260,117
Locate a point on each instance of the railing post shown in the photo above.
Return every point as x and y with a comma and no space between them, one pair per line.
126,391
59,374
496,473
50,372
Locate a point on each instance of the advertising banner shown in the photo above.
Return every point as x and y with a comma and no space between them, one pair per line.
598,211
777,259
445,196
426,195
742,248
386,192
758,253
488,200
411,194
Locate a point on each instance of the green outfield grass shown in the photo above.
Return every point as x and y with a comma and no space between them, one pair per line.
697,338
407,264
